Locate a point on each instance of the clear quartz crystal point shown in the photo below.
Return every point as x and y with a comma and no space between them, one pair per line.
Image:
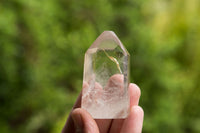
106,76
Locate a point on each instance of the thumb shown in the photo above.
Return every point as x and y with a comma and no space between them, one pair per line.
83,121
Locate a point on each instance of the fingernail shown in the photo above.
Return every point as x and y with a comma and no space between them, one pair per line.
78,123
134,109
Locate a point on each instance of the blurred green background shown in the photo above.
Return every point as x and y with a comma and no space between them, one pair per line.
42,46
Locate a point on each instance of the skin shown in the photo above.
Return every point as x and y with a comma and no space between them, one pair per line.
80,121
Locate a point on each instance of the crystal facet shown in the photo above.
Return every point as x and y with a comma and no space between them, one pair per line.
106,75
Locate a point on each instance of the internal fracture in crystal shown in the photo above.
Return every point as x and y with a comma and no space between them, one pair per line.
106,76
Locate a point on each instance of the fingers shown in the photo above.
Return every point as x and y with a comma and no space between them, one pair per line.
104,125
115,85
116,81
135,93
133,123
116,125
69,125
91,98
83,121
78,101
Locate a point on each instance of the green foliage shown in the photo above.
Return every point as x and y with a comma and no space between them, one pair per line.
42,45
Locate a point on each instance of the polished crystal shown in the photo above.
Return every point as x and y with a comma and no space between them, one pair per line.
106,76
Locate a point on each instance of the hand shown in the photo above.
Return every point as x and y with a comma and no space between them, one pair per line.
80,121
